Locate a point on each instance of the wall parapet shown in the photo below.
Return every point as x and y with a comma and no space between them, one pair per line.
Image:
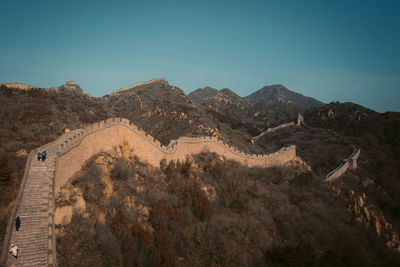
349,162
79,145
73,139
271,130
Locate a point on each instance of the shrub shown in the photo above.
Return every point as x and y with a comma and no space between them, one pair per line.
5,169
184,166
302,179
90,183
190,195
146,253
171,171
122,170
213,167
302,255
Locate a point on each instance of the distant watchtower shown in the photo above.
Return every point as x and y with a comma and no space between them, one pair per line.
71,83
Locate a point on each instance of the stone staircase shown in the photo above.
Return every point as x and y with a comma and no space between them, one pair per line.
35,208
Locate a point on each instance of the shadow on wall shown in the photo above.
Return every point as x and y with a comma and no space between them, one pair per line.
80,145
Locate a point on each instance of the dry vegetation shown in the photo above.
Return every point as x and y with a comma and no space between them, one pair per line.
208,211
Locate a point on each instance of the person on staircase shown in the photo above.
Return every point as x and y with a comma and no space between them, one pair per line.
17,223
14,251
39,156
44,155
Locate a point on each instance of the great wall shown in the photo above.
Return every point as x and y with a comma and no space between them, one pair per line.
66,156
348,163
274,129
35,204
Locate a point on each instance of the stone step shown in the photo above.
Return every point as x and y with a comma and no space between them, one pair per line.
32,245
31,223
32,214
38,235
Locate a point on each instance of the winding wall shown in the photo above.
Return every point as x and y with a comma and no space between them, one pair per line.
349,162
271,130
105,135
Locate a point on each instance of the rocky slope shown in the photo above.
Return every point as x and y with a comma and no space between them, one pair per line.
166,113
219,100
201,94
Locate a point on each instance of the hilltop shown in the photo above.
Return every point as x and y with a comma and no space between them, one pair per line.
280,94
124,90
70,88
21,86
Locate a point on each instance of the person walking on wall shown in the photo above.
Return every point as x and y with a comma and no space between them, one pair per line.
17,223
44,155
14,251
39,156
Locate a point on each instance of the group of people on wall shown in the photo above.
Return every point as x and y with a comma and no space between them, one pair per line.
41,155
14,249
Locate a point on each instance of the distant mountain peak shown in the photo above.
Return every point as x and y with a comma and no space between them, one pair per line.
227,91
228,96
278,93
70,88
156,80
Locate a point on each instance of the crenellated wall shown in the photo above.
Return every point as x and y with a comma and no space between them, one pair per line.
350,162
271,130
80,145
299,121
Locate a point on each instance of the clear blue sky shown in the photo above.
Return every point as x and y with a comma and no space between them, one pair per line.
330,50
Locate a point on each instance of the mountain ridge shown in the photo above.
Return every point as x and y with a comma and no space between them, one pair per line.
69,88
22,86
270,93
121,90
276,93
